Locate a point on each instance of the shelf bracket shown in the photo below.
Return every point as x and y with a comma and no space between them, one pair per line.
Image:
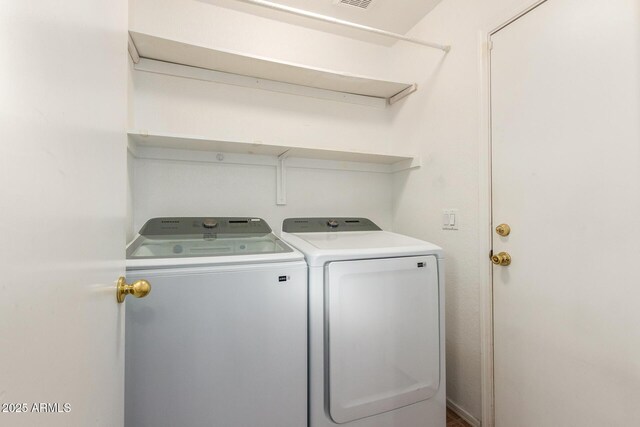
133,51
403,94
281,179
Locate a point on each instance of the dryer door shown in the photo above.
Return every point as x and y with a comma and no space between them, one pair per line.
382,322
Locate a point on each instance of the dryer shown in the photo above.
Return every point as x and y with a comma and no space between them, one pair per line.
376,324
221,340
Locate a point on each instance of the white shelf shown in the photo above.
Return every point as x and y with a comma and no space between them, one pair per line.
151,47
158,146
185,142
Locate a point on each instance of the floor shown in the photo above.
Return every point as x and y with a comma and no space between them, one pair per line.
454,420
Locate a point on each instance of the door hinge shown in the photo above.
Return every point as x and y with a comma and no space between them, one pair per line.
490,44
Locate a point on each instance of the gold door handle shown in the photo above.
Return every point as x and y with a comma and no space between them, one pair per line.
502,259
503,229
139,289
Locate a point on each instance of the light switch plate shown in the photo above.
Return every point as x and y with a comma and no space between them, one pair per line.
450,219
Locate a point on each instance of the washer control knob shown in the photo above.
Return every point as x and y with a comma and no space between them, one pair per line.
332,223
209,223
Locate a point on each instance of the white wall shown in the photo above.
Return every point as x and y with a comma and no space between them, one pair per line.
232,113
179,188
441,122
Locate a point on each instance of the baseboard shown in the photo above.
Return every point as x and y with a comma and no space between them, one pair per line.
462,413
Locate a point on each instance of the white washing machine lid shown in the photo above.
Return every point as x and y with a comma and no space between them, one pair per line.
170,242
322,247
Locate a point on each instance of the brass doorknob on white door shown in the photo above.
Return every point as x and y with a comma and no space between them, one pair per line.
503,230
139,289
502,259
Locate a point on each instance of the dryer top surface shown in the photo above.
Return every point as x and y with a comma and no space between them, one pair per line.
323,247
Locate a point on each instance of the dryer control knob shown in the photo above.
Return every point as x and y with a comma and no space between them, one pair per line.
209,223
332,223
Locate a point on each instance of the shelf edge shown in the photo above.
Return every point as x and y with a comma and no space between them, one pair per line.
164,151
199,55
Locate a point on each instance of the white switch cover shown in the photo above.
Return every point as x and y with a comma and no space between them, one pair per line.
450,219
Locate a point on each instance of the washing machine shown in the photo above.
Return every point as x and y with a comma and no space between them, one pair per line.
221,340
376,324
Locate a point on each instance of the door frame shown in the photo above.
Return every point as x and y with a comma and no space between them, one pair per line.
485,208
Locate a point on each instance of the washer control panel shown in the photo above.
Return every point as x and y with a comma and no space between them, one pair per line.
209,223
316,225
202,225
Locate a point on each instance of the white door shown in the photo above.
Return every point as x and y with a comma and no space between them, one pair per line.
566,178
62,208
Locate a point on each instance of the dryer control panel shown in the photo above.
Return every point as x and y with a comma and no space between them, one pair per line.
317,225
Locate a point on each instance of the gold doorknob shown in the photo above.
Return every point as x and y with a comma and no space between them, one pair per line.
503,229
139,289
502,259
